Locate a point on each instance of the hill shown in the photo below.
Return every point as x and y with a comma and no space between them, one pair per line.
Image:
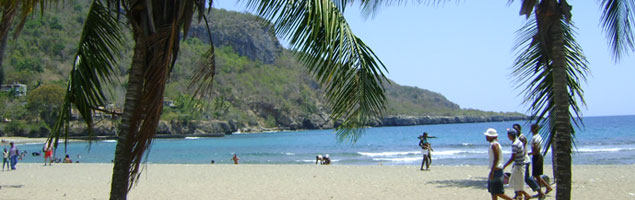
259,85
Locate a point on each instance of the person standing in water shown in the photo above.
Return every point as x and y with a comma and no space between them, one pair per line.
235,159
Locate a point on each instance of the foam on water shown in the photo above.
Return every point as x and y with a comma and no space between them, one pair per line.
455,144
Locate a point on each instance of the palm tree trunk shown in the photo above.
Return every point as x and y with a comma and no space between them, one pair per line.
5,25
560,115
129,123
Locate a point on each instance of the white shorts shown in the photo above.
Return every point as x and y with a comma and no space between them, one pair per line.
425,152
517,179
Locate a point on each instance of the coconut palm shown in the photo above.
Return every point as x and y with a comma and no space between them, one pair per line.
350,72
10,9
552,65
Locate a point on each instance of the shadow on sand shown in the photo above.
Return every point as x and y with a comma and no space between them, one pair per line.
11,186
478,183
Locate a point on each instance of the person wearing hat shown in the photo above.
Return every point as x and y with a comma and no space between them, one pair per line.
516,181
495,178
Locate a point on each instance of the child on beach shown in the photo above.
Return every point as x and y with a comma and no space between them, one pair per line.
5,159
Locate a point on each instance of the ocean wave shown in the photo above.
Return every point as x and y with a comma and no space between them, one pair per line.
456,152
401,154
593,150
402,159
385,154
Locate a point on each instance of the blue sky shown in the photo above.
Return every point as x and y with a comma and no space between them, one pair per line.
465,51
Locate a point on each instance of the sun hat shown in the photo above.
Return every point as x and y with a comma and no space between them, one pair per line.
491,132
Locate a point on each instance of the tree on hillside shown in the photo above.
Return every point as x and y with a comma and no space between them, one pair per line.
10,9
45,101
552,65
350,72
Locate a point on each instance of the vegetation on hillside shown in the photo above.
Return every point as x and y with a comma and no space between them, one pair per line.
258,83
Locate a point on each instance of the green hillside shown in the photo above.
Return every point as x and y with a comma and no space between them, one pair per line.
258,85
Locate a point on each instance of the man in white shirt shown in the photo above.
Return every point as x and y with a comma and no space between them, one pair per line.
537,159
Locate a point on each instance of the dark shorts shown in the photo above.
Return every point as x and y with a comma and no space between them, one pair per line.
495,186
536,161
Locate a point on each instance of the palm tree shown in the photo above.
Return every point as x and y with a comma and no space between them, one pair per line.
553,66
348,69
10,10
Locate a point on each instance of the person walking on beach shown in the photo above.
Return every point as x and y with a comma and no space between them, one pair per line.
528,179
426,149
516,179
48,153
13,155
495,178
235,159
537,159
5,159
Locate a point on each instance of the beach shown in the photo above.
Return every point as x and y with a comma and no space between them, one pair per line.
225,181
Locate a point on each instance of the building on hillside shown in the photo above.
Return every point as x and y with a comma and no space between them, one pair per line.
169,103
17,89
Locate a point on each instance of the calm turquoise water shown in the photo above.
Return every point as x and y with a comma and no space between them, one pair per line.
603,140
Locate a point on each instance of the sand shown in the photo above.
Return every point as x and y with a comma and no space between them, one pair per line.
198,181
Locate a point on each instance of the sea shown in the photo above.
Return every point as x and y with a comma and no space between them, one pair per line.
606,140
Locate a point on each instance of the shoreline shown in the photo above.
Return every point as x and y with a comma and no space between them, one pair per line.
244,181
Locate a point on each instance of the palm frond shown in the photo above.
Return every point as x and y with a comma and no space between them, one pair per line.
371,7
203,79
348,69
95,63
532,70
618,20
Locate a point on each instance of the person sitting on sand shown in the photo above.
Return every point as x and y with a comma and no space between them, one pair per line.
67,159
518,157
495,178
235,159
426,148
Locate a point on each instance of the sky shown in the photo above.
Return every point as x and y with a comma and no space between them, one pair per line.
464,50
